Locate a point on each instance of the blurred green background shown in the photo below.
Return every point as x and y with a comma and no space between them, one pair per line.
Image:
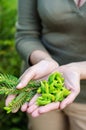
10,62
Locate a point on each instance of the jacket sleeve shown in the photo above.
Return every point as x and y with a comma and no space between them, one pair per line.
28,28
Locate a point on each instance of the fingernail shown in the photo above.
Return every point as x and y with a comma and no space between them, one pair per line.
19,86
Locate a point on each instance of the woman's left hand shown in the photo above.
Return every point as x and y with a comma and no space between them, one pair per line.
72,82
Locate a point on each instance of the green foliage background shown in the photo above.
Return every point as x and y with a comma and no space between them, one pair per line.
10,62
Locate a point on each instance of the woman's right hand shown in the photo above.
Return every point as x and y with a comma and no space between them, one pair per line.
36,72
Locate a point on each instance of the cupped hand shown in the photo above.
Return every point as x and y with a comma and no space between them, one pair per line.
40,70
72,83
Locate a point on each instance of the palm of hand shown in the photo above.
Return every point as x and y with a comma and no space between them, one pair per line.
72,82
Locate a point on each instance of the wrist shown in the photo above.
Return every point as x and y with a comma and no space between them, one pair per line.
79,68
39,55
73,67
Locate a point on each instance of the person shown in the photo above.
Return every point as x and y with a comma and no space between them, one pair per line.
51,36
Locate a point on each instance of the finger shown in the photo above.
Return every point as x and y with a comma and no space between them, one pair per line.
9,99
35,113
24,107
33,100
25,78
32,108
49,107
